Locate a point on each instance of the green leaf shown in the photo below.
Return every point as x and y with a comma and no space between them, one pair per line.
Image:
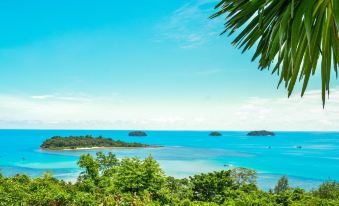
308,22
335,8
296,36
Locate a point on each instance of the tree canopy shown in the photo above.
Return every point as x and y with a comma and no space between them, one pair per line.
106,180
292,36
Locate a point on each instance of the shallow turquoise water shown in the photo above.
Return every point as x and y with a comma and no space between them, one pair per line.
186,153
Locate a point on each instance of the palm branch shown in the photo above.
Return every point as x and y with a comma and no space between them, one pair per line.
293,36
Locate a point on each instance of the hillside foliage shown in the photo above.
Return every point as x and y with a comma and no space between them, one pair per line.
105,180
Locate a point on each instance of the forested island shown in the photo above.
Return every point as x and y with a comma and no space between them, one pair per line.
106,180
137,134
85,142
260,133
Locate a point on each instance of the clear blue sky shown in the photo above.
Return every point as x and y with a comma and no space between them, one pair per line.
142,54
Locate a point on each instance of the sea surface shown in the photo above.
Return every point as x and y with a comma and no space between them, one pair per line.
186,153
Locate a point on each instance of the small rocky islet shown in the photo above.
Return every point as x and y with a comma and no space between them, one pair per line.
215,134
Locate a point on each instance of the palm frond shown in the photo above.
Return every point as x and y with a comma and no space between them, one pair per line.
296,36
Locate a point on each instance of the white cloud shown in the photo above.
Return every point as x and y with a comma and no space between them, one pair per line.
41,97
113,112
190,25
294,113
68,97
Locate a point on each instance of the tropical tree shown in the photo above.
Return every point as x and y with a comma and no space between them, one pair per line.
243,176
295,36
91,167
328,190
282,185
211,187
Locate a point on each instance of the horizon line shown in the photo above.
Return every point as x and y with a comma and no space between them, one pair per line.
171,130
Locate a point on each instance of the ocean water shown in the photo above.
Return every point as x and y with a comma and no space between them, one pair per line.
186,153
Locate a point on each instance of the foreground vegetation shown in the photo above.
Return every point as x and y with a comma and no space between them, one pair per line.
88,141
105,180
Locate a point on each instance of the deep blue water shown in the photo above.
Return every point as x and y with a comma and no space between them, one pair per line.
188,152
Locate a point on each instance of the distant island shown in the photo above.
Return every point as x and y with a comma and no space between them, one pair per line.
86,142
137,134
215,134
260,133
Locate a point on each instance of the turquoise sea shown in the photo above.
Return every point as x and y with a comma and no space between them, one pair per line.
188,152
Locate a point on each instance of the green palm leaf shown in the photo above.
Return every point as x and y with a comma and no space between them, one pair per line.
296,36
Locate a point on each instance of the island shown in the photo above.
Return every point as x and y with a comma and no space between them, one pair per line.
137,134
215,134
87,142
260,133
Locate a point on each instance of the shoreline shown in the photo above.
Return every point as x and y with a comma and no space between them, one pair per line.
97,148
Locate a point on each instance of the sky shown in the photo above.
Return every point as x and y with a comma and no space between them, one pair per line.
153,65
